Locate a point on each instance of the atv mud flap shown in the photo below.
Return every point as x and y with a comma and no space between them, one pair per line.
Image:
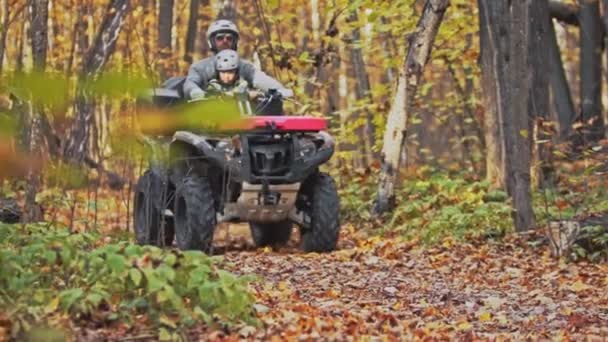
257,204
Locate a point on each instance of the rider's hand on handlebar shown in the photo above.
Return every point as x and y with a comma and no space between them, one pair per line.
197,94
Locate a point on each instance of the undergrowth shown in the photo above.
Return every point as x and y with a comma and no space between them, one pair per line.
50,274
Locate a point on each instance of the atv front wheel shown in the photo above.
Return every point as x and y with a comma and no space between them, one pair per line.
194,214
268,234
323,205
148,207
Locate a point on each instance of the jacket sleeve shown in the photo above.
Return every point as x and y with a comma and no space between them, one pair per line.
260,80
198,78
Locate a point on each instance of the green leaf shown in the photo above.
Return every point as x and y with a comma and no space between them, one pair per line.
135,276
69,297
164,334
272,4
116,262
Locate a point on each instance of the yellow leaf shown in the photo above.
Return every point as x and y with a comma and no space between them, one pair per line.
283,286
524,133
267,249
464,326
485,316
52,305
578,286
167,322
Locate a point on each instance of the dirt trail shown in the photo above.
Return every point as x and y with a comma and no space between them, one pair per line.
374,287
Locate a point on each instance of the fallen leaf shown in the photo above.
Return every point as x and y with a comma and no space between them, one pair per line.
578,286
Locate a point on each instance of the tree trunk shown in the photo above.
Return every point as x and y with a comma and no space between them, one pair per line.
192,27
31,112
39,30
227,10
3,34
21,45
495,163
421,43
540,27
567,13
204,21
165,25
517,122
507,30
591,71
560,90
76,148
362,88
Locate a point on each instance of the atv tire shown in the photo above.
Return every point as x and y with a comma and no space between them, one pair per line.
148,205
194,214
323,206
270,234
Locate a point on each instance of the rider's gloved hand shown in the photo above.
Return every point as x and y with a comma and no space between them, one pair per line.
197,94
215,85
241,88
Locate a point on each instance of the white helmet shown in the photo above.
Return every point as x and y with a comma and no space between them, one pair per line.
226,60
222,25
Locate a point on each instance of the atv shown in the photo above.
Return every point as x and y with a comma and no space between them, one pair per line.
265,173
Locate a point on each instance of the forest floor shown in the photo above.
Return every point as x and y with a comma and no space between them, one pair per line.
388,288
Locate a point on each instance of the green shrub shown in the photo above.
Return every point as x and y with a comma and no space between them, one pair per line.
49,272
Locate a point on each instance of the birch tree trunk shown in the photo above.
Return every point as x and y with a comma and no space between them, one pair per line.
420,45
76,148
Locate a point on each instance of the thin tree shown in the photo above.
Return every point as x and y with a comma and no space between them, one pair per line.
31,111
191,32
165,26
362,86
227,10
591,71
420,45
76,149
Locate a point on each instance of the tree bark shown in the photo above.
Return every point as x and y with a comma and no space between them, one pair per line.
421,43
76,148
227,10
517,123
567,13
362,88
591,71
31,112
3,34
560,90
21,45
191,32
540,28
490,73
7,20
508,33
165,25
39,30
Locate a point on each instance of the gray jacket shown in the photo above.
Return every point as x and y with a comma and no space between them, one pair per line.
201,72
